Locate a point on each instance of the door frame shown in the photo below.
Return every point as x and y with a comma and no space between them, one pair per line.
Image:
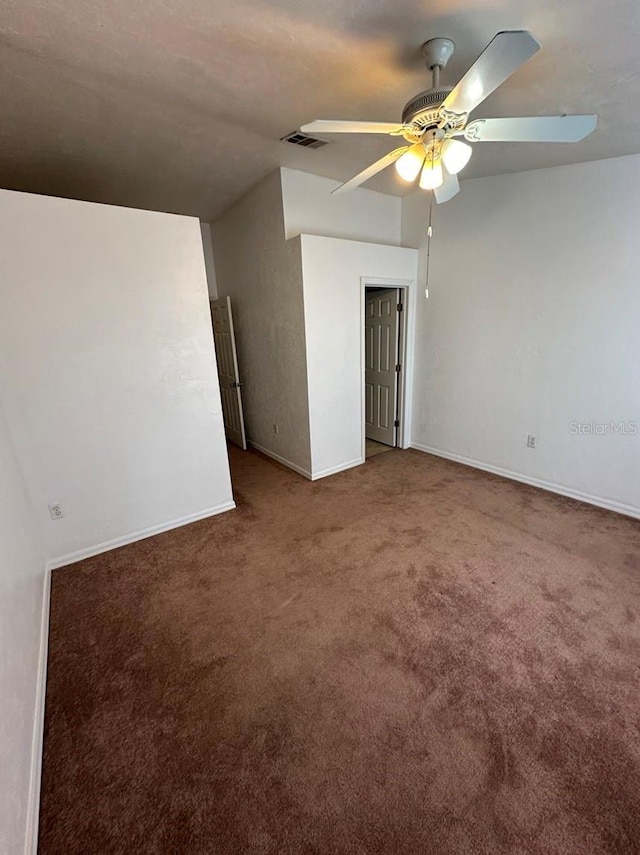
407,290
225,303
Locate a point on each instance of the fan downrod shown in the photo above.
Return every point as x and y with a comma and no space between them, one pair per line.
423,110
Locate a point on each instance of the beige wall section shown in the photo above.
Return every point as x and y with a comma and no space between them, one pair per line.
22,580
531,327
262,273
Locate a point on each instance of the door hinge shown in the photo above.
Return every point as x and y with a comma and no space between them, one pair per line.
399,307
398,368
396,423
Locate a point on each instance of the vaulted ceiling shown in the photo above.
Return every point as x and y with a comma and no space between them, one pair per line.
178,105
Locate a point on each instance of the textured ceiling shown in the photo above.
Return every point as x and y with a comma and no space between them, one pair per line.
178,105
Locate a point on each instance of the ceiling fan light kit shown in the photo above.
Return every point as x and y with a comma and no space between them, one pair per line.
409,165
431,176
455,155
432,119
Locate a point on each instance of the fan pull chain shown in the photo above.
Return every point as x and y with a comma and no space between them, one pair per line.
429,236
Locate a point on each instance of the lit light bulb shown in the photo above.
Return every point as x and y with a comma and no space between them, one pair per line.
410,164
432,176
455,155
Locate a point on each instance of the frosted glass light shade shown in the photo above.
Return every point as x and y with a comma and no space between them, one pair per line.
409,165
455,155
431,176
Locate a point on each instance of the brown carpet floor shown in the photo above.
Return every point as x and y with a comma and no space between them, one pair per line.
408,657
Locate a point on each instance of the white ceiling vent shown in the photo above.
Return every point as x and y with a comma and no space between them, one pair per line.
298,138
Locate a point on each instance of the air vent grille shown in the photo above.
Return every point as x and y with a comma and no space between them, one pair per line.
298,138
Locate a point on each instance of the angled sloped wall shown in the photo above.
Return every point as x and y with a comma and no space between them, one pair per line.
108,371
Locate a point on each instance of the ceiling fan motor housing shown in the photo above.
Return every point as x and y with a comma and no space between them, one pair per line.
423,110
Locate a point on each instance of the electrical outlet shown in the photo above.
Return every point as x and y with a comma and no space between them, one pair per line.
55,511
532,440
276,429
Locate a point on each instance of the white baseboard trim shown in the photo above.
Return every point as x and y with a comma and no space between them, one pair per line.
108,545
333,470
311,476
569,492
35,777
304,472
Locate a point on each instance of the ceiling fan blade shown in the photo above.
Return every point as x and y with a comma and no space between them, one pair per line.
504,54
372,170
448,189
531,129
329,126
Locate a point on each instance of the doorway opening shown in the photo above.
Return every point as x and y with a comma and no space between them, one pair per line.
384,367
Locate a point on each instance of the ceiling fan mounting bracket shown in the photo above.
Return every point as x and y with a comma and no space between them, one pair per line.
437,52
472,133
455,121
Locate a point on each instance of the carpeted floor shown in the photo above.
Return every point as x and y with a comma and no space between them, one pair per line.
411,657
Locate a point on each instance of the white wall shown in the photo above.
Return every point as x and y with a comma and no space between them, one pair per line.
309,208
257,248
262,274
209,263
109,371
333,274
533,323
22,577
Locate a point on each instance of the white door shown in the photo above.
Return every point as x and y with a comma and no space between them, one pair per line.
228,371
380,368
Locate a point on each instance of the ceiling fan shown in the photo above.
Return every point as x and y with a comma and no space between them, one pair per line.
433,119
